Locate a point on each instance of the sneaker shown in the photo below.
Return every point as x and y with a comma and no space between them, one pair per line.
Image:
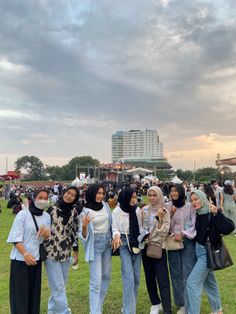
181,310
155,309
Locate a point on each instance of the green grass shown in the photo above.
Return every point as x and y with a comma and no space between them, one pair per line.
77,286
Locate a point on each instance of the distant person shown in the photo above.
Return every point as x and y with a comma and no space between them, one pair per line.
217,193
26,266
15,202
56,188
1,192
228,200
54,198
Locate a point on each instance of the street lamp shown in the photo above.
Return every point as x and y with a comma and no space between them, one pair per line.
222,176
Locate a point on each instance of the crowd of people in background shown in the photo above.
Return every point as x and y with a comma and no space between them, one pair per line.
110,218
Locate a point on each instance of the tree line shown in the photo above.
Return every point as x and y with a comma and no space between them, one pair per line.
36,170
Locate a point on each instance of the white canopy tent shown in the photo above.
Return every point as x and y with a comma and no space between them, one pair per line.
76,182
150,177
176,180
138,171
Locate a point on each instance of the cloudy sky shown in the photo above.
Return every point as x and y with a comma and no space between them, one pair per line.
73,72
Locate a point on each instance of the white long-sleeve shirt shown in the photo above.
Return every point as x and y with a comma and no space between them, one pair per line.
120,221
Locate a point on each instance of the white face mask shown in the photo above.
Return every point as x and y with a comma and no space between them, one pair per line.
41,204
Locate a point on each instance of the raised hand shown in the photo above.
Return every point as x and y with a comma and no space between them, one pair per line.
86,220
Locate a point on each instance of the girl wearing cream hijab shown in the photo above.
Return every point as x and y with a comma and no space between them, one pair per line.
156,223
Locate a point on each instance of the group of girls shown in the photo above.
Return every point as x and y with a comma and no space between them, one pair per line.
127,230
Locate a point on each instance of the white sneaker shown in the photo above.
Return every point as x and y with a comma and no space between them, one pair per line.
181,310
155,309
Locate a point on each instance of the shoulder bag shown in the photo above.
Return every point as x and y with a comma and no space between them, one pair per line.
172,244
154,249
217,257
42,250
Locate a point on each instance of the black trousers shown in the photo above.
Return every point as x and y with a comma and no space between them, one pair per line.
156,271
25,287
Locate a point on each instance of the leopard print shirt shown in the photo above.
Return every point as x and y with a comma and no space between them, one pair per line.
62,237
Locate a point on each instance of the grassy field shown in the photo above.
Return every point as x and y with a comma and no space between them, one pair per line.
77,287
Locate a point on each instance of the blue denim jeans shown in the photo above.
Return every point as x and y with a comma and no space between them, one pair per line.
57,273
100,272
201,278
181,263
130,269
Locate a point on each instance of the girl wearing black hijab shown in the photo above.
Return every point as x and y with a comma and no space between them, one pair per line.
26,266
182,228
96,238
64,230
126,222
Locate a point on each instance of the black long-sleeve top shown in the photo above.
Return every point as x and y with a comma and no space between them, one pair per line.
214,227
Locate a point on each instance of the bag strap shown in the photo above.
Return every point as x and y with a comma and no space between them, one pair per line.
124,224
36,225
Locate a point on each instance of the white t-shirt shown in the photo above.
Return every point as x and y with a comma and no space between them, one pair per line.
120,221
24,230
100,220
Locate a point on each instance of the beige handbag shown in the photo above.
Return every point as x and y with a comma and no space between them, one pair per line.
172,244
154,250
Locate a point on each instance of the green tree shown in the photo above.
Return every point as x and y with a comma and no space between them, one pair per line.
80,164
206,174
184,175
33,166
164,174
55,172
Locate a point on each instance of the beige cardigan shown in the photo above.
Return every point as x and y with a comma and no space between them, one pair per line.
159,235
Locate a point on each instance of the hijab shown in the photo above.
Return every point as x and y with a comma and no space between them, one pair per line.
90,196
64,209
204,202
160,197
124,199
32,208
180,202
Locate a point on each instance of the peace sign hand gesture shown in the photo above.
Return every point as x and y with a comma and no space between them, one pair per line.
86,219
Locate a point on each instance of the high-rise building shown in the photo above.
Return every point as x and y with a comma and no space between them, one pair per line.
137,146
117,146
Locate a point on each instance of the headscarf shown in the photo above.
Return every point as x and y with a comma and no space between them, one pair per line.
32,208
64,209
160,197
204,202
124,199
90,196
180,202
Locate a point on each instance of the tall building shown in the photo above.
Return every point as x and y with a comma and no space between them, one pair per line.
117,146
138,147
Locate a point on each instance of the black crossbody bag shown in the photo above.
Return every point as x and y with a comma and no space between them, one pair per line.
42,250
217,257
